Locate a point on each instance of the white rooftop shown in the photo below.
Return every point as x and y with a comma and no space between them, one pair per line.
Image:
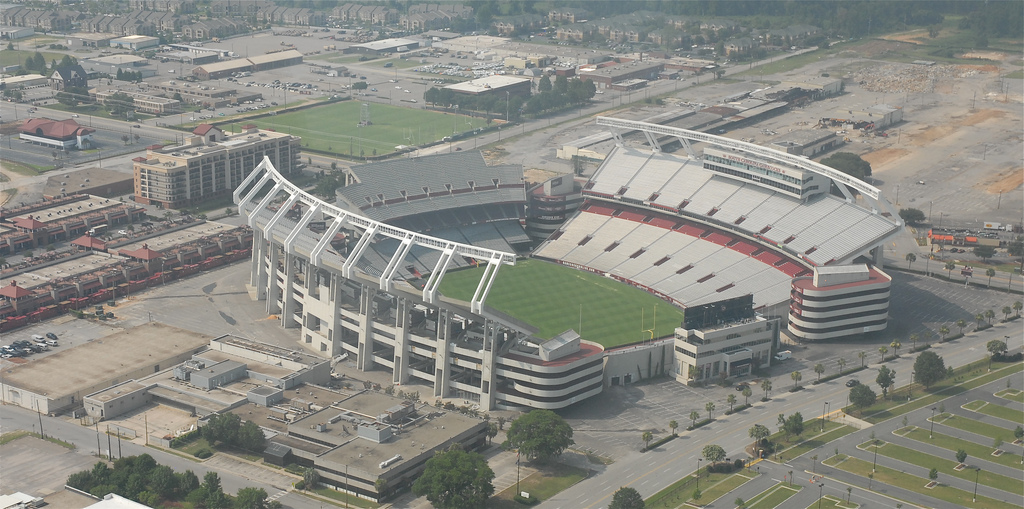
480,85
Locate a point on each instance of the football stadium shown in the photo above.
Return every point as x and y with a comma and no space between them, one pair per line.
423,268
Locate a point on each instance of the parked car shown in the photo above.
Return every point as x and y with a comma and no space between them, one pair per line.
50,335
740,387
853,382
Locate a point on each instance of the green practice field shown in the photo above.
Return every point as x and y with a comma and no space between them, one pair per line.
335,127
550,297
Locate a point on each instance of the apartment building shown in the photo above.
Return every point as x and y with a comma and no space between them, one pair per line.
209,164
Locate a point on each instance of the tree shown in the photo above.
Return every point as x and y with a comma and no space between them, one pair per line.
119,103
933,474
997,348
626,498
950,265
766,385
162,481
1017,305
819,368
544,85
885,379
746,395
647,436
850,164
710,407
187,482
251,498
759,433
911,258
961,323
984,252
540,435
1018,432
713,453
842,364
961,456
731,400
929,368
492,431
913,342
310,478
250,437
1006,313
796,376
943,331
912,217
990,272
360,85
989,315
980,318
862,355
896,347
457,479
882,350
794,424
862,396
694,415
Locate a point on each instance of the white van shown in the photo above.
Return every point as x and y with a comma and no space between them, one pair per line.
37,338
52,342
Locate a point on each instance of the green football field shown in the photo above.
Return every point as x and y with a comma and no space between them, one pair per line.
551,297
334,127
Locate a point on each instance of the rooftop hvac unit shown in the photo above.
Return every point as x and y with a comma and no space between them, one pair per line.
390,461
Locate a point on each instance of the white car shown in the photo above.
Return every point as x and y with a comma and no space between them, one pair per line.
122,232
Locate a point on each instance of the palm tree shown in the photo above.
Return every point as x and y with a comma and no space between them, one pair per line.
647,436
819,368
746,395
1017,306
710,407
862,355
673,425
767,386
796,376
961,323
694,415
882,350
842,364
896,347
980,318
913,341
949,269
990,272
911,258
731,400
943,331
990,315
1006,313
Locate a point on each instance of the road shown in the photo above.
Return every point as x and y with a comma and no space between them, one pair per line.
651,472
13,418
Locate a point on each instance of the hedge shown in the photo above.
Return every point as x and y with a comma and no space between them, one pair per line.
203,453
699,424
737,409
526,501
659,442
838,375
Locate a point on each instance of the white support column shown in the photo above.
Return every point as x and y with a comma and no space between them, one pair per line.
306,218
484,287
653,141
442,366
687,147
364,360
259,169
401,359
357,252
264,203
256,262
394,263
273,290
269,228
288,291
430,288
321,246
488,377
247,200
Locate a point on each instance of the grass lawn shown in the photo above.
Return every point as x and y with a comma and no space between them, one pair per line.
830,501
333,127
30,170
774,496
550,297
965,377
1012,395
916,484
973,426
973,449
679,492
341,497
547,482
398,63
1000,412
720,489
1016,75
818,440
945,466
17,57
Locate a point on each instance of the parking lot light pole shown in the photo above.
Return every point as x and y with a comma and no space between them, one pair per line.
821,487
977,472
931,423
698,474
824,412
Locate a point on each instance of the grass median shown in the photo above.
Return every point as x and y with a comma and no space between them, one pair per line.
773,497
973,426
1012,395
898,479
543,484
973,449
718,490
817,441
679,492
828,501
946,467
997,411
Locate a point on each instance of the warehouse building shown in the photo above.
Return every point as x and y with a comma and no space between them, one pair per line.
384,46
493,85
604,77
135,42
217,70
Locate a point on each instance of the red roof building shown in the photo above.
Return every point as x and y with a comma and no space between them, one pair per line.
144,253
90,242
14,292
28,223
62,134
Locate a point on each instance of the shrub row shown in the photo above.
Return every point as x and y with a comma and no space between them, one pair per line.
726,467
797,388
920,348
838,375
526,501
185,438
737,409
663,441
951,338
699,424
203,453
